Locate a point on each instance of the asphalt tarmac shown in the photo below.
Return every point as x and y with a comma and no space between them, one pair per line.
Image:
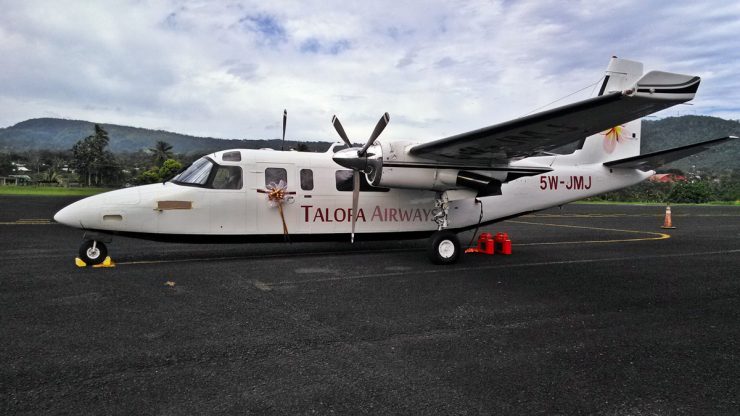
597,311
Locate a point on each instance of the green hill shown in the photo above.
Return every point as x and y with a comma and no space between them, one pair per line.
677,131
60,134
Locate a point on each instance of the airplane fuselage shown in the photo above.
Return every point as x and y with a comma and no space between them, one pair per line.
318,201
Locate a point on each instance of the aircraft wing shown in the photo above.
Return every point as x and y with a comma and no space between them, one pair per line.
650,161
547,130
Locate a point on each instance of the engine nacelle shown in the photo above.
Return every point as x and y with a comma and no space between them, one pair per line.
416,178
388,165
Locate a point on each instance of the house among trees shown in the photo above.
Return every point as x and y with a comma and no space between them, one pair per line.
15,180
667,178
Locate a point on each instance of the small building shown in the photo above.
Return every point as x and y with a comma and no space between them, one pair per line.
18,167
15,180
667,178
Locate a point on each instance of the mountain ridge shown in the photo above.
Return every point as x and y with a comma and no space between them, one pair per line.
61,134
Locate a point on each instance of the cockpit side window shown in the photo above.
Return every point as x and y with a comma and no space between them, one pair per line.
227,177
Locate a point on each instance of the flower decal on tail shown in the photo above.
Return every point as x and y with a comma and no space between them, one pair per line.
614,135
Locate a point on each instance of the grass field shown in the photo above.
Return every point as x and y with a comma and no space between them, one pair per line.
50,191
721,203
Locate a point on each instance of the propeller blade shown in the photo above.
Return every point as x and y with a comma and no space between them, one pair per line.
355,201
285,120
338,127
378,129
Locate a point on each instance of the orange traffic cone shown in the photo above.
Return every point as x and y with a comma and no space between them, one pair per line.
667,223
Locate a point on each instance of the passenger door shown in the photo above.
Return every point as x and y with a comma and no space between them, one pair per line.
268,215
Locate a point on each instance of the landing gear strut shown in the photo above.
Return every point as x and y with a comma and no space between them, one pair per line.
444,246
440,211
93,252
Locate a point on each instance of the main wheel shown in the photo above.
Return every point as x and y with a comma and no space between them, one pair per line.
444,247
93,252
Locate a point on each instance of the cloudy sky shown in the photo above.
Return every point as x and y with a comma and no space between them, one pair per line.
227,69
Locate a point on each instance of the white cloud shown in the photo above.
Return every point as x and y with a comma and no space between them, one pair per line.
438,67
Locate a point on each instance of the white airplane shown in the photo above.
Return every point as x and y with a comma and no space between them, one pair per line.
410,189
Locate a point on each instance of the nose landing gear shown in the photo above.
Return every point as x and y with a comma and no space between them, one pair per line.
93,253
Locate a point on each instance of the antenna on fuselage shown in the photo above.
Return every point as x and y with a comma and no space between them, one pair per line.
285,120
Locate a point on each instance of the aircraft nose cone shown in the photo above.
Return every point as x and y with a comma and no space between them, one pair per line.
68,216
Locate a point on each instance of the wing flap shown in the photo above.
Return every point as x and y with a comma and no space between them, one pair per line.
651,161
547,130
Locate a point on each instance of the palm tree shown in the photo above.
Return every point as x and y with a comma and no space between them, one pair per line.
161,152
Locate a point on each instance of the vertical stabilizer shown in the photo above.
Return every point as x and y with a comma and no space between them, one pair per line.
621,74
620,141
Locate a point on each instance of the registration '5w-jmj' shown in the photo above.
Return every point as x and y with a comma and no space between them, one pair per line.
552,183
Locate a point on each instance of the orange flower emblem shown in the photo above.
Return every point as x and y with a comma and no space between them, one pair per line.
613,136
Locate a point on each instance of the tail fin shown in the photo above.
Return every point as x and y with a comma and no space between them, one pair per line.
621,141
621,74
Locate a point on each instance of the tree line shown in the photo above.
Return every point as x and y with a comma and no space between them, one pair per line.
90,163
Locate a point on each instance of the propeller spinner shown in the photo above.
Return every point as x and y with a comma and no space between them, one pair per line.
356,159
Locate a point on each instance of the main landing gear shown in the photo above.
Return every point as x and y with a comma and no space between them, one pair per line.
444,246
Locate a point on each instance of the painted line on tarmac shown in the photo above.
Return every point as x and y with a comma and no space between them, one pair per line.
657,215
655,236
30,221
448,270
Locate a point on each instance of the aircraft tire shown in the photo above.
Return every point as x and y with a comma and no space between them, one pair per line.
91,255
444,247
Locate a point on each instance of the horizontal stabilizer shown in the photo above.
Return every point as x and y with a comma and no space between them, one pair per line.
650,161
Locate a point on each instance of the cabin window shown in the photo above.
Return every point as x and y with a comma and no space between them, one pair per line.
228,177
196,174
345,182
275,175
306,179
235,156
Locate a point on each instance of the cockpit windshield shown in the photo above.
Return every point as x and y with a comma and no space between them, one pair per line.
206,173
196,174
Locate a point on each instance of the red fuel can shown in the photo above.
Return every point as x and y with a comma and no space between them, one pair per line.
502,243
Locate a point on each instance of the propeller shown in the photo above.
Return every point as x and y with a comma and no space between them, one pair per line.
356,161
285,120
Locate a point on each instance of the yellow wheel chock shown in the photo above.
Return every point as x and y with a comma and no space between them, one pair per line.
108,262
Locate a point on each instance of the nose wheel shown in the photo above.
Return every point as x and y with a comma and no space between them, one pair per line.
93,252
